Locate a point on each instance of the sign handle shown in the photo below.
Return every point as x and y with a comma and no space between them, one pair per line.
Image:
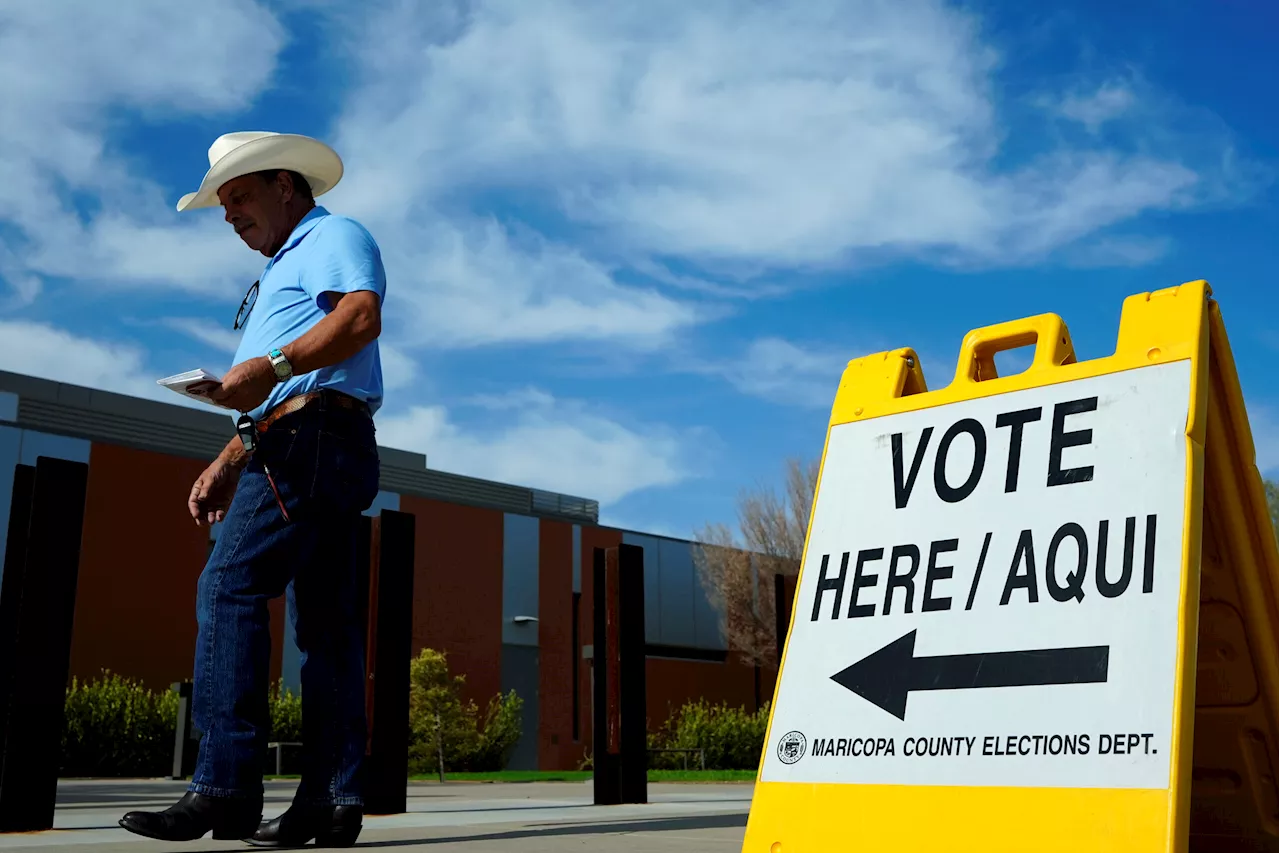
1046,331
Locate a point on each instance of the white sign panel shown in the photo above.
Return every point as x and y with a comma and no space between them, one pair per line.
990,593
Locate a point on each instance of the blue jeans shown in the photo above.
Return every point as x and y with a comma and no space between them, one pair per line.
324,462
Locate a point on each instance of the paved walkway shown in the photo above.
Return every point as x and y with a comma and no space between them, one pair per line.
450,818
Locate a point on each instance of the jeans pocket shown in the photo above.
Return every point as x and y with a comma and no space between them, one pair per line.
276,446
347,470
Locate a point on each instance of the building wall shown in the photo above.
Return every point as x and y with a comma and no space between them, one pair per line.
457,590
141,556
476,571
671,683
557,748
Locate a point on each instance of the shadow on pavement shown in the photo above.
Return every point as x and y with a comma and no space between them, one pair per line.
671,824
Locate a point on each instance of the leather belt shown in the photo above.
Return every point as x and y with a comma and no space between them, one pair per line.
301,401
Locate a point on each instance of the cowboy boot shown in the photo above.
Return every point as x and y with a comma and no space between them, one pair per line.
330,826
194,815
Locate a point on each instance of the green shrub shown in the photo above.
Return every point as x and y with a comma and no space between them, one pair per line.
117,727
286,714
440,719
500,732
731,738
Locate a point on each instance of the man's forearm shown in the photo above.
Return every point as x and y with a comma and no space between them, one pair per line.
233,454
352,325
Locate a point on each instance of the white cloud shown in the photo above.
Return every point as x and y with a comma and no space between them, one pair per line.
544,443
199,256
65,69
1118,252
785,372
1095,108
626,522
398,369
45,351
739,138
689,145
464,281
222,338
473,283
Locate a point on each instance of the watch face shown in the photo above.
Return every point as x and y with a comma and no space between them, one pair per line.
280,364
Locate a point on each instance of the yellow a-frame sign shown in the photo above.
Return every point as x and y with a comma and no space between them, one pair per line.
1035,612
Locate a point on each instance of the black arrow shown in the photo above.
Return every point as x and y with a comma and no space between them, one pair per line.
885,677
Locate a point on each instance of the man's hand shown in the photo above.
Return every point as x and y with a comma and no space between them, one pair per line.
212,492
246,385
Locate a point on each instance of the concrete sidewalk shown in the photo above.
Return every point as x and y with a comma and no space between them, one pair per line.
470,817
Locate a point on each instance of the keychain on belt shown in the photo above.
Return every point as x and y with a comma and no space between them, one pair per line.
247,429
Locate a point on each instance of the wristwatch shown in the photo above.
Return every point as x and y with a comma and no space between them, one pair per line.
280,365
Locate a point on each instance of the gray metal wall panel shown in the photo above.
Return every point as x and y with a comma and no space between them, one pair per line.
520,673
8,406
653,591
10,444
201,442
456,488
679,587
519,578
577,558
37,444
707,631
24,446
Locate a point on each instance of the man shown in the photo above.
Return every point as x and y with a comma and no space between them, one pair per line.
289,492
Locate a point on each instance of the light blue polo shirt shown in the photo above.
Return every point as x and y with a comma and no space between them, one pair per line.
323,253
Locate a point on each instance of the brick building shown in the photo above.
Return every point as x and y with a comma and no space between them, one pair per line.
488,556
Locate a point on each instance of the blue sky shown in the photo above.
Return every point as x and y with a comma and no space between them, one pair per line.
631,246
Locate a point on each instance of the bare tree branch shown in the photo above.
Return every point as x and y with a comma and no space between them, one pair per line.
737,574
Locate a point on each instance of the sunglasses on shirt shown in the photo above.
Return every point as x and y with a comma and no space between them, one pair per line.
246,307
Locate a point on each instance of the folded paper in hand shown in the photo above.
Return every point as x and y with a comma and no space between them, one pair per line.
194,384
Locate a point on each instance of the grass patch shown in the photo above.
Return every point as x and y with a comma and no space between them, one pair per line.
508,776
702,775
584,775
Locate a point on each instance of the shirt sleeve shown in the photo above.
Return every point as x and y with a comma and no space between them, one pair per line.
346,260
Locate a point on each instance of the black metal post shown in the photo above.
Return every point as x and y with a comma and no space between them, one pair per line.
390,649
364,549
33,734
634,770
604,749
619,745
24,480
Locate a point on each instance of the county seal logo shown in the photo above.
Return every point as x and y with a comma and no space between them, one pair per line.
791,747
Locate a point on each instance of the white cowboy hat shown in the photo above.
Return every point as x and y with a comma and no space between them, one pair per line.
245,152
